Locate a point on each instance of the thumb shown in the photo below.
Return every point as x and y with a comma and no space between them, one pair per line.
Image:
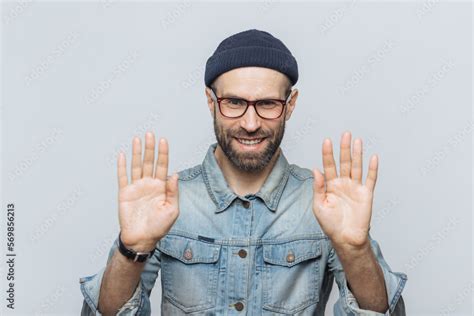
318,185
172,195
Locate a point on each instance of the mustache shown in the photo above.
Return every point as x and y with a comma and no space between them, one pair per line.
250,136
238,135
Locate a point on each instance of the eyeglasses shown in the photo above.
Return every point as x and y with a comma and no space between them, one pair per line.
237,107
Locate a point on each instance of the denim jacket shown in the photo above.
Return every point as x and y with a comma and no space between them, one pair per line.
258,254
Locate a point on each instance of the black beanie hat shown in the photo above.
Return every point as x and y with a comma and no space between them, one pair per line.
251,48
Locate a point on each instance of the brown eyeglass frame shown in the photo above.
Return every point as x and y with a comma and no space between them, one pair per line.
249,103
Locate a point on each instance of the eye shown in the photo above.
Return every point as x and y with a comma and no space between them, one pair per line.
268,103
234,102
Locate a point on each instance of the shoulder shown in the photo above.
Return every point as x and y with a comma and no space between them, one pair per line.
189,173
301,173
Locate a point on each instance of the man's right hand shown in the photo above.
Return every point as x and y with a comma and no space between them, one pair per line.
148,206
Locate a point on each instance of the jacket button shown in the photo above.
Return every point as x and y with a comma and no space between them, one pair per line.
188,254
290,257
242,253
239,306
246,204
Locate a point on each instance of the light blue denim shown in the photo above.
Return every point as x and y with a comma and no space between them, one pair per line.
288,267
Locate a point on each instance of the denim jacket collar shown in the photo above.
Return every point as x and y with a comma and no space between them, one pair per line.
222,194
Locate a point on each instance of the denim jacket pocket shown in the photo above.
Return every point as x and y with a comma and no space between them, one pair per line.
290,276
189,272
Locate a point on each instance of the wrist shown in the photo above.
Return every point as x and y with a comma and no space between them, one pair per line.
138,246
353,251
135,254
357,241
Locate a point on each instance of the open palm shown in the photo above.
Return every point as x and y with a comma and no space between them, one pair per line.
148,206
343,204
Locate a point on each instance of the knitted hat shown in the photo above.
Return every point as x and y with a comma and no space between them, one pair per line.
251,48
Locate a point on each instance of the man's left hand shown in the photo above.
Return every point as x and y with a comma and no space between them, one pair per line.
343,204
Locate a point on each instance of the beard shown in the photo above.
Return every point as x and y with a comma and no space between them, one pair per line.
248,161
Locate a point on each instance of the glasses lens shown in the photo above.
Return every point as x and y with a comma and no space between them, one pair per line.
233,107
269,108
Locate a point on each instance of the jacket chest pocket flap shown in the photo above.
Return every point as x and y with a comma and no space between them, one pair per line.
291,275
189,272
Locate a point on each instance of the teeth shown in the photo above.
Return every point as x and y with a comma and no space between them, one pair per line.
250,142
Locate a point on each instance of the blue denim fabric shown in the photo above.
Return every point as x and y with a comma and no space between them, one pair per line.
264,250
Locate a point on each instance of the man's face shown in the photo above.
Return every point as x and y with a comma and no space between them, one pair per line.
253,157
250,83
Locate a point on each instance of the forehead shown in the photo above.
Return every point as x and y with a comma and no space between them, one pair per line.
252,82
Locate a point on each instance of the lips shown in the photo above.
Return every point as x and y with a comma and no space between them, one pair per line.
250,141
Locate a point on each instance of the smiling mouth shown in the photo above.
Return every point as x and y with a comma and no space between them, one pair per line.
253,141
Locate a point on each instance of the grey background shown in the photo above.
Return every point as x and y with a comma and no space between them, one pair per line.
80,79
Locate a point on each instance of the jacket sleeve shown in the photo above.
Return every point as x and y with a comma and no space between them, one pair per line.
347,303
138,304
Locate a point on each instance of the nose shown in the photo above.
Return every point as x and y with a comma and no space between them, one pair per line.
250,121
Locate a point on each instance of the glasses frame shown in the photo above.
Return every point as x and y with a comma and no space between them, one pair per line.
249,103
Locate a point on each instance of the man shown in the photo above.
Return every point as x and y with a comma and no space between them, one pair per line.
248,233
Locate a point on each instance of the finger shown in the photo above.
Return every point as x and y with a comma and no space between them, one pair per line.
345,155
328,161
122,171
172,195
149,159
318,186
136,159
356,171
372,173
161,170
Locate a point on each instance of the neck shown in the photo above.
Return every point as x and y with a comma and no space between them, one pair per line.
242,182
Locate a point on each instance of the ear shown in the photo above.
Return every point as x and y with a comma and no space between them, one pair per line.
210,100
291,104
